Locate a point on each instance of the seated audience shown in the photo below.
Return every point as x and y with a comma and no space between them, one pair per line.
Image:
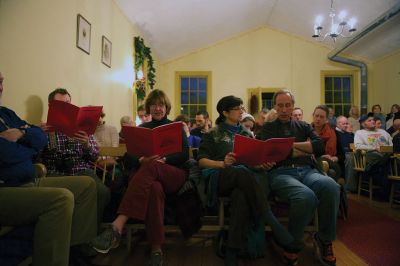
371,139
297,181
297,114
62,209
345,137
202,124
260,120
394,129
142,115
248,200
353,119
327,134
193,141
106,135
394,113
73,156
125,121
331,117
378,122
377,111
155,178
248,121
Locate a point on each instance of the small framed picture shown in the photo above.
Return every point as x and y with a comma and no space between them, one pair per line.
83,34
106,46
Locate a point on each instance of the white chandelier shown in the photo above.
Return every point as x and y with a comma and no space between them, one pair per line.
338,28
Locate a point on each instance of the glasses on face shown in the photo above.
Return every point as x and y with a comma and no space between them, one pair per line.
238,108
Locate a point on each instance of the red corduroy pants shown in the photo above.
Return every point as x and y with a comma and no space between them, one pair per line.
145,197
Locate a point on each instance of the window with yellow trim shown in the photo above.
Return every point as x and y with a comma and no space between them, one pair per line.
193,94
339,93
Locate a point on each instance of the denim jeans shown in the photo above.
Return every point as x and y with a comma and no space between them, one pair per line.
305,189
351,182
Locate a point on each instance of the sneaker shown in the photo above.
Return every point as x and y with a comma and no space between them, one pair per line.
288,258
324,251
107,240
156,259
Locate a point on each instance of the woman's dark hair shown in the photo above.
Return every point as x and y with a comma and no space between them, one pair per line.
226,104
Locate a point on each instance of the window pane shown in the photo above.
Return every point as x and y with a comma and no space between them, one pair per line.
337,97
346,83
338,109
328,83
184,109
328,97
184,84
202,84
193,111
193,84
346,97
337,83
202,97
202,108
346,109
193,97
184,97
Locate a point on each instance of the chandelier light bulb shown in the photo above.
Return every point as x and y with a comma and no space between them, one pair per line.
342,15
338,28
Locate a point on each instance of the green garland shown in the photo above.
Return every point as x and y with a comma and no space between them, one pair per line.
142,52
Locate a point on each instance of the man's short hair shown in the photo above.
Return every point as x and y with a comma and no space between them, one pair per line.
323,108
125,119
141,108
203,113
61,91
182,117
282,91
298,108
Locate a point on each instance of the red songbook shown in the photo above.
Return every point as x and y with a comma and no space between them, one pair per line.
162,140
252,152
69,119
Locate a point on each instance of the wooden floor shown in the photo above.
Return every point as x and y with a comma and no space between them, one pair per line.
198,251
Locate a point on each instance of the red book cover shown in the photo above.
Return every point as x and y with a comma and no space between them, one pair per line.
252,152
162,140
69,119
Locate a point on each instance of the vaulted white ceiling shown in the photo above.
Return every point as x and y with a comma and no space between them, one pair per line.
177,27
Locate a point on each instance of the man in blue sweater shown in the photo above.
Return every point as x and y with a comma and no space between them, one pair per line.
62,209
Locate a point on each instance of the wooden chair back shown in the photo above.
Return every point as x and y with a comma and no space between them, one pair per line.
110,152
359,160
394,178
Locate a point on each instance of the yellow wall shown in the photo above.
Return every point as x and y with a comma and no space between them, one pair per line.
261,58
38,53
385,88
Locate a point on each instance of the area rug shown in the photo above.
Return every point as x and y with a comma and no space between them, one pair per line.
371,235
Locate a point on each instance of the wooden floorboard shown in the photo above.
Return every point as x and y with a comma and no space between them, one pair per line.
198,251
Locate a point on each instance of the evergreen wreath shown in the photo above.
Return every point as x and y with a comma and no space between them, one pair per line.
142,52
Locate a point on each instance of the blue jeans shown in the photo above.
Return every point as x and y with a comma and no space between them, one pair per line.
351,182
306,189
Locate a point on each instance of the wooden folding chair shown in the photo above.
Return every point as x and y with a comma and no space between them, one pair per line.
364,181
109,152
394,178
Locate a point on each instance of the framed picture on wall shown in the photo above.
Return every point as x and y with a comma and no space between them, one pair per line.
83,34
106,50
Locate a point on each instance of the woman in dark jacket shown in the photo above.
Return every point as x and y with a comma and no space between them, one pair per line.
249,205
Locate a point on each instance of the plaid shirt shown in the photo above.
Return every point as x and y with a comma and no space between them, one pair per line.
67,156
